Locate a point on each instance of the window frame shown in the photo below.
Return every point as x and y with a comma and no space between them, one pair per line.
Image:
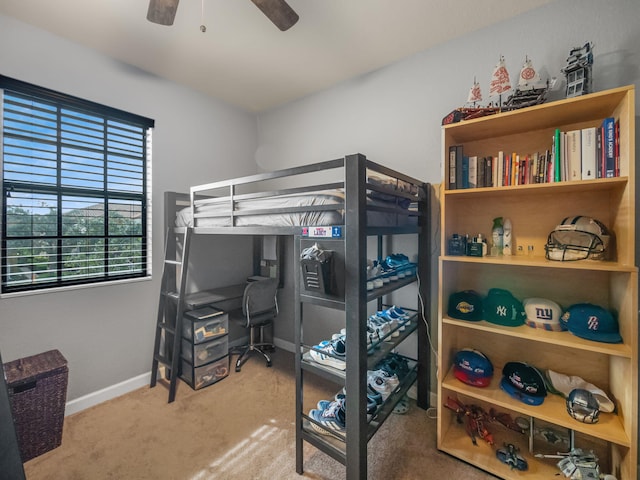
105,195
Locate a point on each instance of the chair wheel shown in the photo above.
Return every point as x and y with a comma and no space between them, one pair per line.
238,369
268,364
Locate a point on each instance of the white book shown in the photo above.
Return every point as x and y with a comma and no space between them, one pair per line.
499,179
473,171
574,155
494,173
589,164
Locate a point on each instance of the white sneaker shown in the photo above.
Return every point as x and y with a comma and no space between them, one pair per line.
333,354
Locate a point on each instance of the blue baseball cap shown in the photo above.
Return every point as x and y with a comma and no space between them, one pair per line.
472,367
592,322
523,382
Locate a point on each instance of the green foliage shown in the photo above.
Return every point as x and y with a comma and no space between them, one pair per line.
32,245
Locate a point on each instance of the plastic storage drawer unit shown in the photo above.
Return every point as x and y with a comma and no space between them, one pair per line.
204,324
205,375
200,353
37,392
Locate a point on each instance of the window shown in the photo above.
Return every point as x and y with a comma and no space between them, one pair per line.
75,190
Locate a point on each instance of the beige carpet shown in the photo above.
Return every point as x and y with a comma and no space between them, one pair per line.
240,428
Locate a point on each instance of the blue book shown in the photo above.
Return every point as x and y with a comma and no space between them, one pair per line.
609,146
465,171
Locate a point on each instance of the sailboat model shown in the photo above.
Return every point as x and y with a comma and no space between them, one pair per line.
470,112
530,90
500,82
475,93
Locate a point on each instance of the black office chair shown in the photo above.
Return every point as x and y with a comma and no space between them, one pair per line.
259,308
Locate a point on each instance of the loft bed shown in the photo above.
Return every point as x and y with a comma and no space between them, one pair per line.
363,199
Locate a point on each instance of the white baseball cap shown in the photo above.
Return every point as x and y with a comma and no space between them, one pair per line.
565,384
543,313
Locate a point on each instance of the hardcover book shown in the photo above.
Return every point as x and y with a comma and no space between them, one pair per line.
574,155
609,145
588,150
465,172
473,171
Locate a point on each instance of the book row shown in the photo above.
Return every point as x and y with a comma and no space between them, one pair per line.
581,154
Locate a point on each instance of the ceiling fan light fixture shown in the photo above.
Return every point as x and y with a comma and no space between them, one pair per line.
162,12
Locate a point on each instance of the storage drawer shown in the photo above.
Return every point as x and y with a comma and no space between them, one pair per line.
200,353
205,375
206,327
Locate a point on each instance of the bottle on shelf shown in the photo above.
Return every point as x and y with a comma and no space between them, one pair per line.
507,243
497,237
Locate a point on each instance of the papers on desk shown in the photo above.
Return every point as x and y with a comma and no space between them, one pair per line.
203,313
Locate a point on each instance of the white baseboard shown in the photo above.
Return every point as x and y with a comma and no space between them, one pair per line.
284,345
82,403
107,393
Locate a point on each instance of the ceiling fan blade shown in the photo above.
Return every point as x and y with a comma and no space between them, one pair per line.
279,12
162,12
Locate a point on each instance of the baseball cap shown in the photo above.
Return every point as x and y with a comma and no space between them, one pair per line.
523,382
542,313
502,308
472,367
565,384
592,322
465,305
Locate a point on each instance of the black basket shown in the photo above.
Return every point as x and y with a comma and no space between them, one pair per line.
37,392
317,275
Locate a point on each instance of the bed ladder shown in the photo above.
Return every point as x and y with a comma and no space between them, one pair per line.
170,309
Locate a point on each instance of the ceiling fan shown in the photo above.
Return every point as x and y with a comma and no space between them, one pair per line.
279,12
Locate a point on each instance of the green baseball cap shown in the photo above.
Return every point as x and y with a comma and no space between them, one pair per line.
502,308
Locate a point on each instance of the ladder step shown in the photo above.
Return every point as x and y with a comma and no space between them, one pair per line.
167,328
173,262
171,295
162,359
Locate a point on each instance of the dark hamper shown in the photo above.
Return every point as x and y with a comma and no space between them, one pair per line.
37,393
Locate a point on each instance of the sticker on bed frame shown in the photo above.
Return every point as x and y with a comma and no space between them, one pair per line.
322,232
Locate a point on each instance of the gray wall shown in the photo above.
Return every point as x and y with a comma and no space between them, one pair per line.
106,332
392,115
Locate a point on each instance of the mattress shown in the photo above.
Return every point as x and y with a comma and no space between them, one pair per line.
216,212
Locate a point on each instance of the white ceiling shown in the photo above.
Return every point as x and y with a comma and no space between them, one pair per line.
244,59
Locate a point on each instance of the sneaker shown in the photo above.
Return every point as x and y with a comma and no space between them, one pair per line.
332,354
391,377
398,315
396,260
395,322
324,404
385,325
331,419
394,364
372,403
389,272
380,326
399,312
380,384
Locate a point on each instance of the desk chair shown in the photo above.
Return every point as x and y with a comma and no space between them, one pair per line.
259,308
